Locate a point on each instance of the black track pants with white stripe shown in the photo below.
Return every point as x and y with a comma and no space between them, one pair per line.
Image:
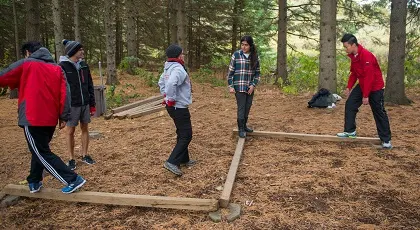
38,139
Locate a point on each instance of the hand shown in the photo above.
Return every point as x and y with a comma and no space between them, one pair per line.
170,103
365,101
164,102
347,92
92,110
251,89
231,90
61,124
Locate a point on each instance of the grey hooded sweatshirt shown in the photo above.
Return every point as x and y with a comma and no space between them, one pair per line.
176,85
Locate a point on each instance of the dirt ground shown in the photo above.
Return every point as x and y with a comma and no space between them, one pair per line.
293,184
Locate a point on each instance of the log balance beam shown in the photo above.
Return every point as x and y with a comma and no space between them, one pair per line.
116,198
227,188
312,137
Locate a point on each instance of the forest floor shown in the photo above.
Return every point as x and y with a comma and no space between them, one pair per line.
293,184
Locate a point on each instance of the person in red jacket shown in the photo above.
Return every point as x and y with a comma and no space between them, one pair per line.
370,90
44,99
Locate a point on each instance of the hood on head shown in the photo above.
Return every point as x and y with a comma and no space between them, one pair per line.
42,54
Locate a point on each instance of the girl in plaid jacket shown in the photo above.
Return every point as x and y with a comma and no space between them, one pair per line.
243,77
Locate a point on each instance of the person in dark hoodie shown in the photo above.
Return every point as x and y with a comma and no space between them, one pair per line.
82,98
175,85
370,91
44,99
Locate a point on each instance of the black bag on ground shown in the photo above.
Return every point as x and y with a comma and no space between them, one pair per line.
322,99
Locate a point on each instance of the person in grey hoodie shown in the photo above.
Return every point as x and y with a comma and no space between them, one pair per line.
175,85
82,98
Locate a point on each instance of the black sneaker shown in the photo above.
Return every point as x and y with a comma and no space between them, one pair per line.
172,168
72,164
88,160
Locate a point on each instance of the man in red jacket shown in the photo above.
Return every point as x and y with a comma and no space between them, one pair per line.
369,91
44,99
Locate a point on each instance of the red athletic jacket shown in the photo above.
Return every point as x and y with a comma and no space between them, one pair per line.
44,96
365,68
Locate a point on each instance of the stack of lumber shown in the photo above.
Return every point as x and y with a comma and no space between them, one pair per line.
139,108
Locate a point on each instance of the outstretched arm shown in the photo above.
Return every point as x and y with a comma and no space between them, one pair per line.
11,75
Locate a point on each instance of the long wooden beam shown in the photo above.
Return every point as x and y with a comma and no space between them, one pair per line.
147,111
227,188
137,103
116,198
312,137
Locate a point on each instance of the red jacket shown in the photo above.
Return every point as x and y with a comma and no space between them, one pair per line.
365,68
44,96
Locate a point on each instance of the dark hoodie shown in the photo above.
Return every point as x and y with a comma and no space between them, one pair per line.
80,81
44,96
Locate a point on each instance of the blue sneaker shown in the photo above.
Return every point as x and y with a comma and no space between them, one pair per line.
346,134
73,186
35,187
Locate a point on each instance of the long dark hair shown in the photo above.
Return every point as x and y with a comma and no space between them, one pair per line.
253,50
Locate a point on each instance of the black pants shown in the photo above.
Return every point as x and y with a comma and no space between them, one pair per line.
182,120
244,103
376,102
38,139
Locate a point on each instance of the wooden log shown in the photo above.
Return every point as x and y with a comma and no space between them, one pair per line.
147,112
124,113
312,137
227,188
117,198
137,103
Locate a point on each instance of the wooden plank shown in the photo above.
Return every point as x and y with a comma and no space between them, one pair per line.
227,188
147,112
312,137
137,103
139,112
146,106
117,198
137,109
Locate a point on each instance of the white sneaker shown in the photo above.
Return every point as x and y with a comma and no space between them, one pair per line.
387,145
346,134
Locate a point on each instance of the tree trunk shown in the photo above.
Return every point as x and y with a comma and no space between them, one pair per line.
32,20
181,25
16,31
131,29
235,22
190,38
327,59
77,35
58,29
282,44
118,41
110,42
173,21
395,87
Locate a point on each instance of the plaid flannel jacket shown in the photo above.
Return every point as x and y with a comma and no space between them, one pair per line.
240,75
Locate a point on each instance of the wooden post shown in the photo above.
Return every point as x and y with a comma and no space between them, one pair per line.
312,137
116,198
227,188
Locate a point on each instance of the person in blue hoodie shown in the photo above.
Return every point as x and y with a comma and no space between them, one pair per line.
175,86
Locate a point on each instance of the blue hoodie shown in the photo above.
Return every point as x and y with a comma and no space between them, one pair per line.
176,84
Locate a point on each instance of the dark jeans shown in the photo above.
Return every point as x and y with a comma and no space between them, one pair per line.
376,102
182,120
38,139
244,103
